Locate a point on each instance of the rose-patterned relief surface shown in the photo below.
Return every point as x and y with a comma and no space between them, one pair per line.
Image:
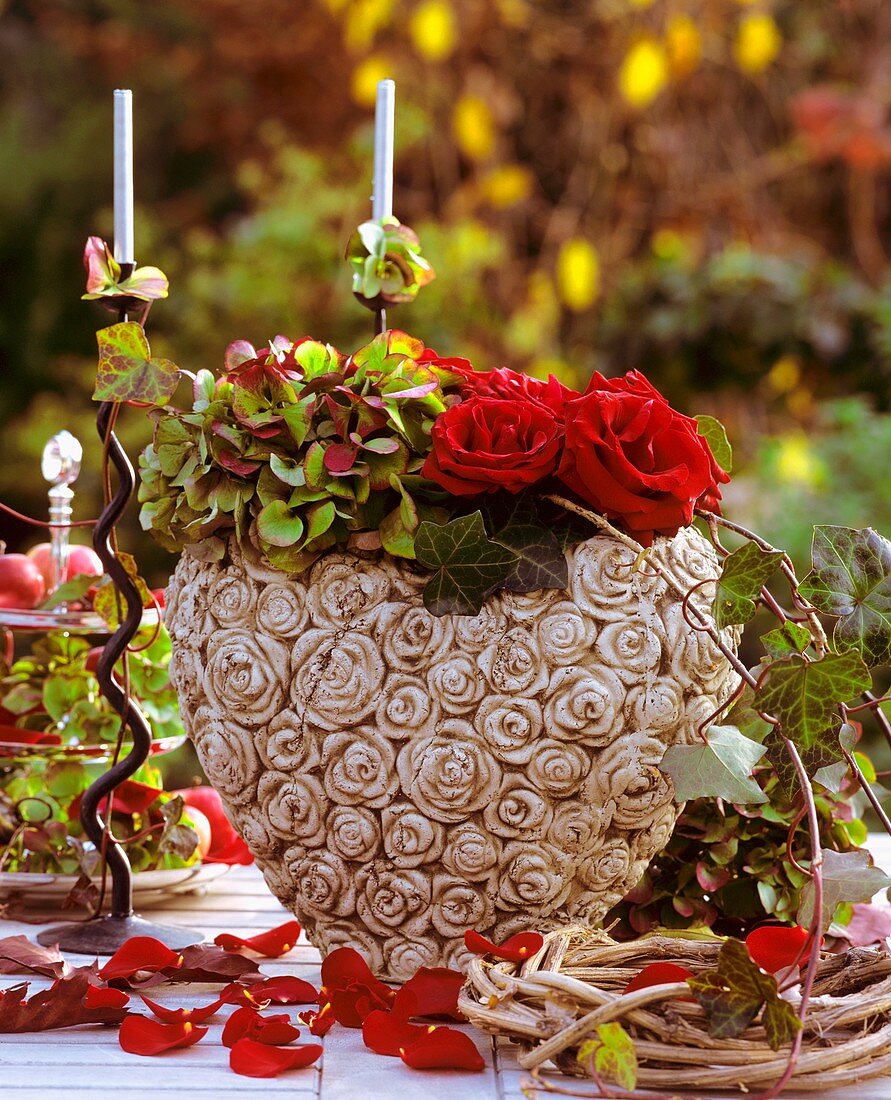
401,778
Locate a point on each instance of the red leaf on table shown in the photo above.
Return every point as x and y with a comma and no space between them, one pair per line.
252,1059
321,1022
247,1023
180,1015
64,1004
15,735
283,990
443,1048
140,953
658,973
105,997
431,991
389,1033
516,949
776,947
143,1035
205,962
226,846
272,944
18,953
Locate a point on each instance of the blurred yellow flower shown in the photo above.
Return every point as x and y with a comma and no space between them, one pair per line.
432,28
578,274
365,78
363,20
683,43
757,42
785,374
644,72
474,127
796,463
668,244
506,185
640,3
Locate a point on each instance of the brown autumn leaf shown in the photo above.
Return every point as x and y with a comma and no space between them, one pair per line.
62,1005
19,953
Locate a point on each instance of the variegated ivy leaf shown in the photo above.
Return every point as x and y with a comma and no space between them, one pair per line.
541,561
720,768
712,431
785,640
466,565
127,371
109,604
613,1054
743,575
847,877
851,579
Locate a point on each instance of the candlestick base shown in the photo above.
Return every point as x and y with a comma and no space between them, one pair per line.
104,935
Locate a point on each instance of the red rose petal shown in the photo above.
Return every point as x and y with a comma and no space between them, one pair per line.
142,1035
272,944
252,1059
97,997
658,973
248,1023
180,1015
431,991
283,990
776,947
517,948
443,1048
319,1023
388,1032
139,953
351,1006
345,967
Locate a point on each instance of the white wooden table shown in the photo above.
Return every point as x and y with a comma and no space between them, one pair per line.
88,1061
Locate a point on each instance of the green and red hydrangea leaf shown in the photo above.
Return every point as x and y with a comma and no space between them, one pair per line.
279,525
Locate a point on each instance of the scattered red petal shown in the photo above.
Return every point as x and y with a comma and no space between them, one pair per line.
282,990
443,1048
321,1022
248,1023
272,944
431,991
252,1059
517,949
179,1015
351,988
143,1035
659,973
776,947
140,953
98,997
388,1033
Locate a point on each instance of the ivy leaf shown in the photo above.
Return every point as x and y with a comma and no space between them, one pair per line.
177,838
851,579
803,695
70,591
785,640
615,1058
744,574
823,753
127,371
540,560
733,994
712,431
720,769
847,876
467,566
106,600
831,776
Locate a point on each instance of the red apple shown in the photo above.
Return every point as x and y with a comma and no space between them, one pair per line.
81,559
226,846
201,825
21,582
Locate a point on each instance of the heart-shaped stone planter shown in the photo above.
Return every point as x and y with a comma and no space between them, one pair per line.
401,778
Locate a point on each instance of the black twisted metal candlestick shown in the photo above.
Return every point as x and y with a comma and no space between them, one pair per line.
104,935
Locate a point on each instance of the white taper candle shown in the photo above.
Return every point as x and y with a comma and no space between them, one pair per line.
384,126
124,249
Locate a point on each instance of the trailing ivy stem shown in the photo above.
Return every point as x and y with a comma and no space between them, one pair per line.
881,718
816,873
867,790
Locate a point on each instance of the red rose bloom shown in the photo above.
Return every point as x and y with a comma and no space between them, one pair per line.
634,458
487,443
513,385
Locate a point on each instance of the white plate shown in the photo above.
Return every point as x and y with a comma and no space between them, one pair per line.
148,886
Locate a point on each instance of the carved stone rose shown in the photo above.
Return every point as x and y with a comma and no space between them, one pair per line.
401,778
